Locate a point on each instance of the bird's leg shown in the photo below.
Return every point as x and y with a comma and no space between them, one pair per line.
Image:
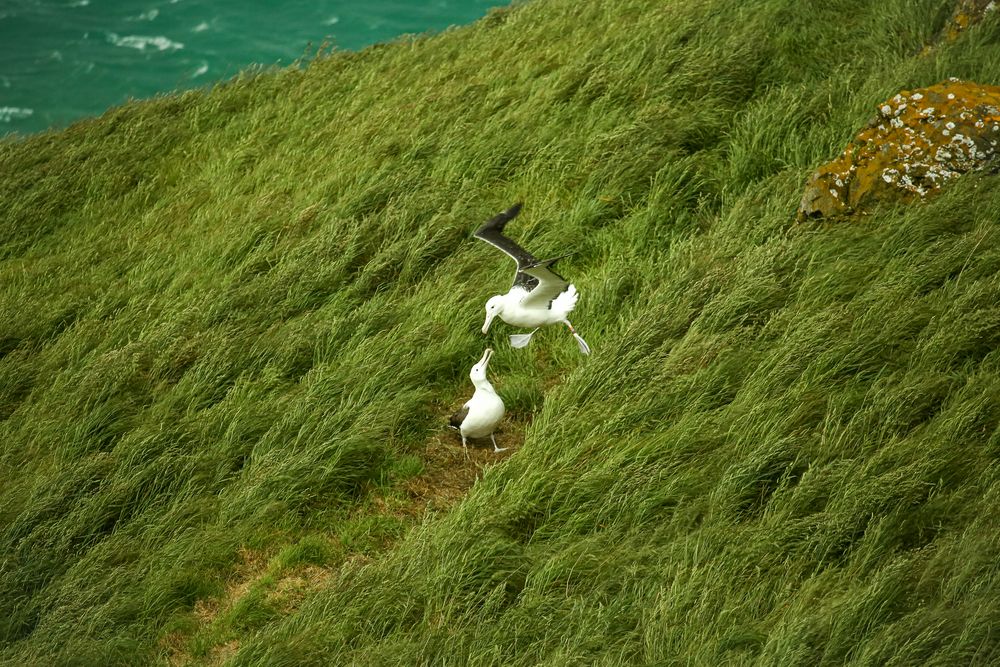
465,447
496,450
521,340
579,339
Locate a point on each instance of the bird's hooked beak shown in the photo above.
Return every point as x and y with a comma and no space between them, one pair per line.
489,321
485,361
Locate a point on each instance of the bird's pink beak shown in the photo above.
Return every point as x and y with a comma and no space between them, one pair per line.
489,321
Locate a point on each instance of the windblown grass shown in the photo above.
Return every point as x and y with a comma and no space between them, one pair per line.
231,322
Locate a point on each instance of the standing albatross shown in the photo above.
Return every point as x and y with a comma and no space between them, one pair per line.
538,296
482,413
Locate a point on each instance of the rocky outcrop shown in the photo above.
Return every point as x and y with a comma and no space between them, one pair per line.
920,140
966,14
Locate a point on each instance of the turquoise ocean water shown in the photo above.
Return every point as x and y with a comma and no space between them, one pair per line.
61,60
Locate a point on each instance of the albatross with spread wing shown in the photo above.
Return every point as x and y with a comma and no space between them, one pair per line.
539,296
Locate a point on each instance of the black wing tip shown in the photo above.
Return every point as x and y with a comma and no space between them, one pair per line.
498,221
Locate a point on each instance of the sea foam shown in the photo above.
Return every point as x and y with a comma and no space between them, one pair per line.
149,15
7,114
141,43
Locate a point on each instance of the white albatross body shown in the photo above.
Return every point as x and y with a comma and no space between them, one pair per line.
481,414
538,296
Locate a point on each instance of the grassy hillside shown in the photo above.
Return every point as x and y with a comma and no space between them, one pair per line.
232,323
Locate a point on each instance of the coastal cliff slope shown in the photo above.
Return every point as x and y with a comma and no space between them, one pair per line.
233,323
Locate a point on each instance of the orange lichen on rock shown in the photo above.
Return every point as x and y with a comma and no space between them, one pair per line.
919,140
967,13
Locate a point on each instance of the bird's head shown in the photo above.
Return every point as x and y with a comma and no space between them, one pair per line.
478,372
493,308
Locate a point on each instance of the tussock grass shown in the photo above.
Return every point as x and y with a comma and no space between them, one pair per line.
231,321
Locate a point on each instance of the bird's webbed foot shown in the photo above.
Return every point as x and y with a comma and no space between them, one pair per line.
521,340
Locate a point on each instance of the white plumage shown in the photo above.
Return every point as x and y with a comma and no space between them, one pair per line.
482,413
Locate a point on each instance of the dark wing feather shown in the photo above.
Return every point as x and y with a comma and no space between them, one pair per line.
550,284
456,419
492,233
524,281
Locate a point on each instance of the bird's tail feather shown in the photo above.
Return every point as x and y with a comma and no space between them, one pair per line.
566,301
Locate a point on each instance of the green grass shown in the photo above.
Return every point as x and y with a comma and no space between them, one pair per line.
231,320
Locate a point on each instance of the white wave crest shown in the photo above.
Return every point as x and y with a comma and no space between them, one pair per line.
7,114
141,43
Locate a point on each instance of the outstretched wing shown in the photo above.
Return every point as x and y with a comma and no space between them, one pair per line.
492,233
550,284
